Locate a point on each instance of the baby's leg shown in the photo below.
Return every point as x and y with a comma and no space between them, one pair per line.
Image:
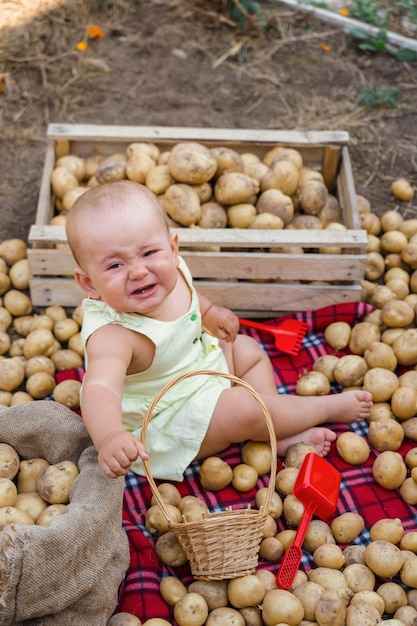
238,417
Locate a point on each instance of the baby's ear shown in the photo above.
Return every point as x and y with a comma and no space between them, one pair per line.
84,281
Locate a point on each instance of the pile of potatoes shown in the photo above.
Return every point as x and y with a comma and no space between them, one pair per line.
33,491
206,187
34,346
348,585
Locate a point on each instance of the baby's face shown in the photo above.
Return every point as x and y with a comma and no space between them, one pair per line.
131,260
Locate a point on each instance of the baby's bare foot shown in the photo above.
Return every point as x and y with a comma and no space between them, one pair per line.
349,406
319,437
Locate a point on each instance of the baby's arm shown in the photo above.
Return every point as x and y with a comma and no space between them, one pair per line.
219,321
109,352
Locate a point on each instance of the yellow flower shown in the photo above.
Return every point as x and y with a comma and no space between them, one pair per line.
344,12
325,47
82,45
94,32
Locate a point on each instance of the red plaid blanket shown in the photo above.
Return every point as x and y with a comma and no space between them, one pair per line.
139,592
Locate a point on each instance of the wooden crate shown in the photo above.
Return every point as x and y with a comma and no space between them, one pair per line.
233,267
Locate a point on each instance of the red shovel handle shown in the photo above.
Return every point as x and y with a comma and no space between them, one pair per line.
292,557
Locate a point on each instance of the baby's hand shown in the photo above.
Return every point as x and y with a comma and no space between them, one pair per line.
118,452
222,323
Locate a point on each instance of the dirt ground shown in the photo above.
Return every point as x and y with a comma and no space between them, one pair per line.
187,63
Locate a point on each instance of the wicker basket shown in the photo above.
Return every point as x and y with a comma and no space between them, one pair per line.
224,544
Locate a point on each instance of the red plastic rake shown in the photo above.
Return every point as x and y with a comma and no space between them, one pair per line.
288,335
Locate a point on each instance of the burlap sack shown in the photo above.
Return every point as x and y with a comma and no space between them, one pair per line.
69,573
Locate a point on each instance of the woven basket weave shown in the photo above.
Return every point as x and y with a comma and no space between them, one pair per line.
224,544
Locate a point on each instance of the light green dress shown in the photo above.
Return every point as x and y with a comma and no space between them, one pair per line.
181,418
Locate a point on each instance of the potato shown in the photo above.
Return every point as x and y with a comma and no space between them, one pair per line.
270,527
264,221
354,554
329,555
28,473
191,610
407,615
285,479
245,591
244,477
70,198
405,347
389,469
390,530
48,515
213,591
318,533
337,335
296,454
383,558
172,589
281,606
312,384
5,342
12,515
370,597
362,335
275,504
350,370
362,613
40,321
168,493
112,168
31,503
215,474
276,202
408,491
381,383
352,448
9,461
19,274
293,510
408,573
124,619
226,616
331,607
55,481
62,180
155,520
20,397
213,215
380,354
385,434
393,595
313,196
40,384
359,577
258,455
235,188
228,160
309,594
271,549
17,303
282,175
240,215
397,314
138,166
75,344
328,578
404,402
39,341
66,358
67,392
8,492
12,373
255,169
182,204
191,162
347,527
402,190
39,363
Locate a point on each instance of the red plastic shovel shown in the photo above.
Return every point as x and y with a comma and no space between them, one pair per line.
317,486
288,335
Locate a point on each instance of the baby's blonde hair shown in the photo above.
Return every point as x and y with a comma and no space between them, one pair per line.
98,201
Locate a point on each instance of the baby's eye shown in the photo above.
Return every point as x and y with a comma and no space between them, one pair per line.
149,253
114,266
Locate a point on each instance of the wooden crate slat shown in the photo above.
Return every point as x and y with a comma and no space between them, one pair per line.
253,298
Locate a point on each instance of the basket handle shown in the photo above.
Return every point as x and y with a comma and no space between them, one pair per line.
236,380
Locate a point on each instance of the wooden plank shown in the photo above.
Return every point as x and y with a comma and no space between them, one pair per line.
347,194
250,298
44,210
230,265
232,237
90,132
